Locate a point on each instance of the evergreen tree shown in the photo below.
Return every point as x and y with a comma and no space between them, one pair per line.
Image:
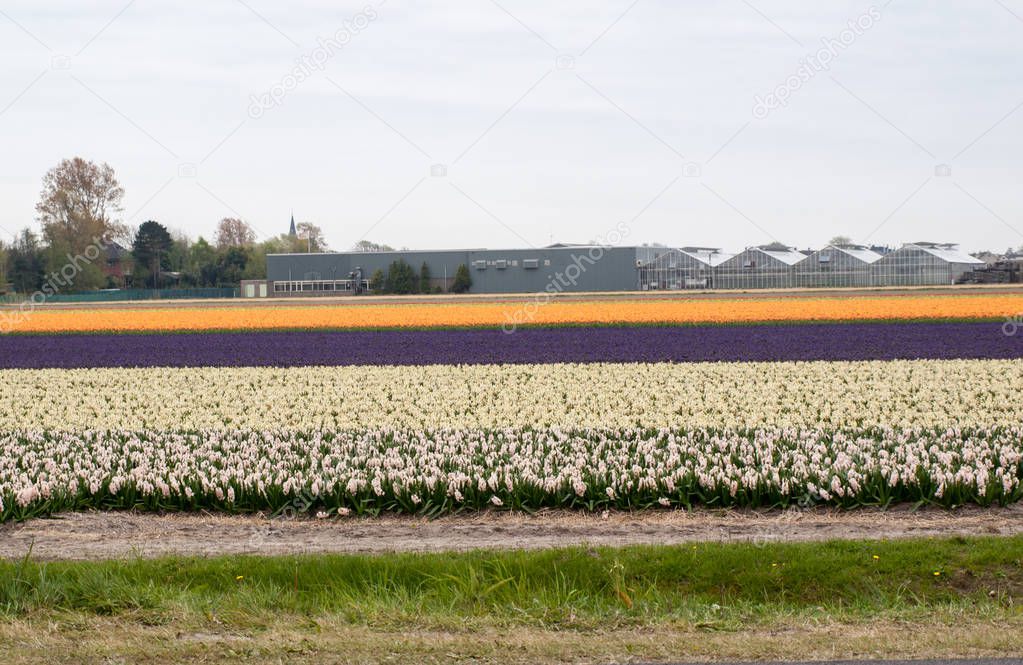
462,282
401,278
378,282
151,248
26,263
424,278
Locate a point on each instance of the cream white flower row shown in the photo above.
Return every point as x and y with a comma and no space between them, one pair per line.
412,470
812,394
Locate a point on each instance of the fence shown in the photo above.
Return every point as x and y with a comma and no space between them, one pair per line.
130,294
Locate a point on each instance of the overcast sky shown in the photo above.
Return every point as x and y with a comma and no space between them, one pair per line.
473,123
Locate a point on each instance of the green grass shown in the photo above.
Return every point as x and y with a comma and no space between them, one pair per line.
645,604
723,586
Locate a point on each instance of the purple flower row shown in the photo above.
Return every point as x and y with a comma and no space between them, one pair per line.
856,341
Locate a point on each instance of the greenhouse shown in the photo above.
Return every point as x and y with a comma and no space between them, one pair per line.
836,265
601,268
923,263
763,267
683,268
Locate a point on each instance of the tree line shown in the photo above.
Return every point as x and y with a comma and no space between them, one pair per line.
402,279
81,244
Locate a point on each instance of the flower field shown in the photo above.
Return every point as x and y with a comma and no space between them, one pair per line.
909,394
475,314
575,344
440,470
807,410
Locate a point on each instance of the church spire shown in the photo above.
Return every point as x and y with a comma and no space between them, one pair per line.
293,232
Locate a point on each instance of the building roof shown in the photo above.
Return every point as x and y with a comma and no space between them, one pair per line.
857,252
576,245
787,256
116,251
946,252
709,255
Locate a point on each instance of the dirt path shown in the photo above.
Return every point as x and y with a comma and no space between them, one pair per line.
301,640
113,535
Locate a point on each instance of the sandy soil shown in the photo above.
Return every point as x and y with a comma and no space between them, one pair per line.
113,535
335,640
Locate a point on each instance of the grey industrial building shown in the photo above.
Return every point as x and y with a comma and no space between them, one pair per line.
558,267
579,268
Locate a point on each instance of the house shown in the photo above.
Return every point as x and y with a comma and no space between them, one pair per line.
117,265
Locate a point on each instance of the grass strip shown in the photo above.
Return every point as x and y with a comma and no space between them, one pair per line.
722,586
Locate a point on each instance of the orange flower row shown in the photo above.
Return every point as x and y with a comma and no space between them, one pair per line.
512,314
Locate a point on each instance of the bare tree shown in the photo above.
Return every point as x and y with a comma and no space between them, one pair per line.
233,232
839,241
311,237
78,205
370,246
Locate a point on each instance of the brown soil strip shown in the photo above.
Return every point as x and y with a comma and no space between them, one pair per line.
108,535
317,300
329,640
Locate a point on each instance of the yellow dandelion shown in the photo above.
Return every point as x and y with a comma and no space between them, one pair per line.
240,577
876,557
